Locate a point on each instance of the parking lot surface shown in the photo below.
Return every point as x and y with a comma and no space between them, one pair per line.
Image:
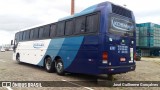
147,69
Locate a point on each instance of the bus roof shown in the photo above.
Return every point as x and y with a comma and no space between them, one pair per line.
85,11
89,10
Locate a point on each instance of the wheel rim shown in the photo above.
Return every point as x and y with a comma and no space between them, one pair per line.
48,64
59,67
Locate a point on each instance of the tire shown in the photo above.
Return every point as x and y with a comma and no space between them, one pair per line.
59,67
18,58
138,58
49,65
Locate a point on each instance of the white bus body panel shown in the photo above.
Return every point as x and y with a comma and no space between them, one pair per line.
32,51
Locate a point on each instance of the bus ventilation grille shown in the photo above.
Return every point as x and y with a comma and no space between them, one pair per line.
121,11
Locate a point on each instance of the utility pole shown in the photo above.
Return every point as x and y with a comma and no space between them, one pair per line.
72,7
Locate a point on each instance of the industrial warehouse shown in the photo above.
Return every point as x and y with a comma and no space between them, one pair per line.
148,39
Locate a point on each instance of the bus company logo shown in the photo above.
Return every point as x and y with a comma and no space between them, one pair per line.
6,84
38,44
122,24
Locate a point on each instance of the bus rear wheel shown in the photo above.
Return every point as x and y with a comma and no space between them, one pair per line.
49,65
59,67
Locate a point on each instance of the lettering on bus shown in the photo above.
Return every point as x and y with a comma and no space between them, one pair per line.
38,44
122,49
121,24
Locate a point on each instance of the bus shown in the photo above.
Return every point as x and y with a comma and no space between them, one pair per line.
98,40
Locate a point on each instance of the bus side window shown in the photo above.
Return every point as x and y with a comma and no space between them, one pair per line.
35,34
31,34
20,36
17,37
24,35
69,27
53,30
92,23
79,25
27,35
41,32
60,28
46,31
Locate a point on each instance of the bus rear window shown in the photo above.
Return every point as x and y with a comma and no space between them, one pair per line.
120,25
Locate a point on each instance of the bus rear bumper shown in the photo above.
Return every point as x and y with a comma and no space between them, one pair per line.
117,69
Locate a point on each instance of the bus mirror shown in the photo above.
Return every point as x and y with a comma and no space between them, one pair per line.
11,42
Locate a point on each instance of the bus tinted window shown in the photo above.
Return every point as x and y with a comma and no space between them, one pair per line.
31,34
69,27
92,23
79,25
60,29
46,31
24,35
53,30
41,32
35,34
27,35
20,36
17,37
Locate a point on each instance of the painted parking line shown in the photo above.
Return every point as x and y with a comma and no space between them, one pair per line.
77,84
9,88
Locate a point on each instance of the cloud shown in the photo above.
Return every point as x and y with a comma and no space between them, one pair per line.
153,19
24,14
16,15
28,1
7,37
28,13
152,13
16,23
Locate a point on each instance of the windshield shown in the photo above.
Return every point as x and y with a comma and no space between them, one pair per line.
121,26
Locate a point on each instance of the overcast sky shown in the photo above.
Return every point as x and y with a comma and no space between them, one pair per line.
16,15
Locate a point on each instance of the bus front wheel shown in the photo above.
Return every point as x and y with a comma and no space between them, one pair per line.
59,67
49,65
18,58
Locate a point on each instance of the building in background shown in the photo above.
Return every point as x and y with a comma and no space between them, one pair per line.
7,47
148,39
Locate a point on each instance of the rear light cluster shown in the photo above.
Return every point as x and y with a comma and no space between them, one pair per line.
122,59
105,57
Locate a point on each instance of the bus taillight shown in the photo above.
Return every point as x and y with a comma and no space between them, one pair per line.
122,59
105,57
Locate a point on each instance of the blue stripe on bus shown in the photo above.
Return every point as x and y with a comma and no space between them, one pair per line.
70,49
53,48
66,48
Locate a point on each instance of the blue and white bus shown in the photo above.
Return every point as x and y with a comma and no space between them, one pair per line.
98,40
